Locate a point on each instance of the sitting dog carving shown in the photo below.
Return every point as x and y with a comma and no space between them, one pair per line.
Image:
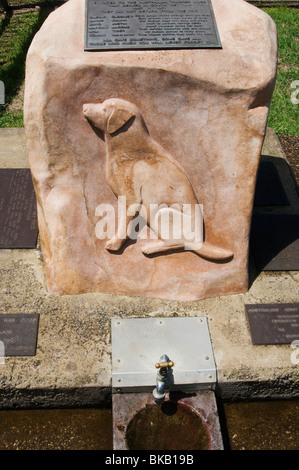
142,171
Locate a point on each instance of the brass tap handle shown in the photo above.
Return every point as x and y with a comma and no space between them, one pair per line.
160,365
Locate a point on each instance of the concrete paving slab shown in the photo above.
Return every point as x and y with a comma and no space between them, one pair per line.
72,365
13,148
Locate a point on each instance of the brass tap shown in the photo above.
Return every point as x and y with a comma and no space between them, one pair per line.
159,365
162,378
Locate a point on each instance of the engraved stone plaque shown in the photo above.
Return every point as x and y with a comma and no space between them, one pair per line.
18,216
18,333
150,24
273,323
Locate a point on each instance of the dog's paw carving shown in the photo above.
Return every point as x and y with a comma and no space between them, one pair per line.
148,250
114,244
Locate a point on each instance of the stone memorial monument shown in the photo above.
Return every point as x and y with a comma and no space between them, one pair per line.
144,145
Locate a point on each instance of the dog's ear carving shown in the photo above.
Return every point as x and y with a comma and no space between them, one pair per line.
118,119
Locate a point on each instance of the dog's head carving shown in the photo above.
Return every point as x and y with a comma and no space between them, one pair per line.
109,116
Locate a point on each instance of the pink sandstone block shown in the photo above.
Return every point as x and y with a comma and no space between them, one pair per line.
156,127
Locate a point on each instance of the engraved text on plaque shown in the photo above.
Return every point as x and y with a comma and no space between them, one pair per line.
150,24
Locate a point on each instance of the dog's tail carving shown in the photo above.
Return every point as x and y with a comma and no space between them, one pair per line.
214,253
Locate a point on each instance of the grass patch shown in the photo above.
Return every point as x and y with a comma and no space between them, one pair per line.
17,31
284,115
12,119
26,3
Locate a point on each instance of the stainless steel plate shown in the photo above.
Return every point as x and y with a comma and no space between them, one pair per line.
138,343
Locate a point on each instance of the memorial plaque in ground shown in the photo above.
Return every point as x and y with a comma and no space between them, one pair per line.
18,333
273,323
18,217
150,24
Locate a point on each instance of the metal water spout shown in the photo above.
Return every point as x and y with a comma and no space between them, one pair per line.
163,378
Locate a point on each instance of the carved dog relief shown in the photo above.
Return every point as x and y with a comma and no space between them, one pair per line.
152,182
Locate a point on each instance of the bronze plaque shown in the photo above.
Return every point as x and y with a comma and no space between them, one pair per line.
18,333
150,24
18,215
273,323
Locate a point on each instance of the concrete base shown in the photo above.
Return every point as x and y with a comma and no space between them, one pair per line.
72,366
